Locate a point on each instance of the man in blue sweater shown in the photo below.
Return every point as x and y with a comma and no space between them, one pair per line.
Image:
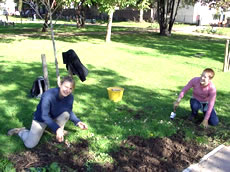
53,110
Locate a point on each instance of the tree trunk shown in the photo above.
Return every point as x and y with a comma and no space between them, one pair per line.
21,17
45,72
226,66
80,17
109,26
167,11
141,15
161,17
54,46
20,9
152,15
78,22
173,14
45,25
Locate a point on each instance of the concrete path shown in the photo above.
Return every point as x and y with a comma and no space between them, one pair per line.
191,30
217,160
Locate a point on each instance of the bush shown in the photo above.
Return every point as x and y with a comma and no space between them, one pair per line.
208,30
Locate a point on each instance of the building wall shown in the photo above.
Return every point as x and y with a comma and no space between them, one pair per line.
206,13
185,14
189,14
10,6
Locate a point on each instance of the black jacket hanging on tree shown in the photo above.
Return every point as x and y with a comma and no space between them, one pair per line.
73,62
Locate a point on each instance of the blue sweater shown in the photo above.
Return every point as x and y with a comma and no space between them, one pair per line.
51,106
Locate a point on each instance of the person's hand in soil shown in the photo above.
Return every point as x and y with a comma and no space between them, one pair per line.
60,135
204,123
82,125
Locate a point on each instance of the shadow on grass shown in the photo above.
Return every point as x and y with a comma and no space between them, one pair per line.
142,112
16,80
183,45
223,107
30,28
19,29
140,107
6,40
178,44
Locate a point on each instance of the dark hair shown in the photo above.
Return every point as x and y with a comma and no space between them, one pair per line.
210,72
68,79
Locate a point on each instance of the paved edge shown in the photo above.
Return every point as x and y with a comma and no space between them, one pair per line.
191,167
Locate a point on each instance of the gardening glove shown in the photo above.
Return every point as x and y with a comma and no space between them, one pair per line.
204,123
82,125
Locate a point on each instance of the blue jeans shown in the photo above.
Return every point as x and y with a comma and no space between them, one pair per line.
196,106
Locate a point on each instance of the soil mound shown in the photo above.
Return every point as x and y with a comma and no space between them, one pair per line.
135,154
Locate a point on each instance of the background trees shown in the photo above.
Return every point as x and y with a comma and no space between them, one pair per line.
166,10
223,3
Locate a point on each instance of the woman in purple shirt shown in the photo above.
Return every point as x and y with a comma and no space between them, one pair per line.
53,111
203,97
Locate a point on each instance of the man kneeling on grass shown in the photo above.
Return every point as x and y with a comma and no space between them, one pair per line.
203,97
53,110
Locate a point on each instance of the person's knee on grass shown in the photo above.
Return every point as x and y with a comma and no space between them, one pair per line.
204,94
53,111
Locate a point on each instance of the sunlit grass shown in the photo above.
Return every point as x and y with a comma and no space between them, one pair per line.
224,31
151,68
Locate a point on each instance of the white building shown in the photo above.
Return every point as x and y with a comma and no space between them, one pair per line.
191,14
8,5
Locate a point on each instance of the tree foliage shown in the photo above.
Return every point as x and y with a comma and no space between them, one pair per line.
143,4
225,4
167,11
110,5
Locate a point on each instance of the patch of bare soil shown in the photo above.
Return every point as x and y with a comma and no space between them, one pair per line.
135,154
155,154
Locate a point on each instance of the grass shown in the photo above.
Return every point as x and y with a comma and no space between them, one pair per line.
151,68
224,31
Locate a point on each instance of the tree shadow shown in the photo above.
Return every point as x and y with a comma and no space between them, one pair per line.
189,46
6,40
177,44
137,104
142,112
222,106
16,105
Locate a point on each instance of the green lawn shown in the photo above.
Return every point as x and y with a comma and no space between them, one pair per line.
152,70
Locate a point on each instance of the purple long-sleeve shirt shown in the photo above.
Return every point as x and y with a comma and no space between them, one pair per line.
201,93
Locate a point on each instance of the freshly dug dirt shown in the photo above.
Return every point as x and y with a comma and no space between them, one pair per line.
135,154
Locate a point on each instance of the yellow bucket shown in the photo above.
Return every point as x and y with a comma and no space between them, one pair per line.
115,93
